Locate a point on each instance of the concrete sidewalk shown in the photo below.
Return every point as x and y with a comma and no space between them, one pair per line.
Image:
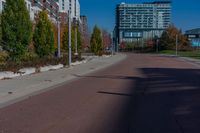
20,88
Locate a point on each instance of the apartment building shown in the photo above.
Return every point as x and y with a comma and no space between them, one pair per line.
70,5
52,7
142,21
28,5
55,8
2,4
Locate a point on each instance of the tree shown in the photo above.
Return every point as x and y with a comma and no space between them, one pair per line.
16,29
43,38
96,42
65,40
168,39
107,40
85,36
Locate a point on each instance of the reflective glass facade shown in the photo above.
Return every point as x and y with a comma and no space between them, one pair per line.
142,21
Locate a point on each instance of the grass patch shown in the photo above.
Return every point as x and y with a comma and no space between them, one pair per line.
191,54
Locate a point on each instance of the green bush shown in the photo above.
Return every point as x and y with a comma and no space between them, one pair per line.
3,57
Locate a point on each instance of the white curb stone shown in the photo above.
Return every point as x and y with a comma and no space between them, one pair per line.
8,74
27,71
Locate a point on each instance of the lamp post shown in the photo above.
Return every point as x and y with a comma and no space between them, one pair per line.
69,43
111,34
76,41
58,25
176,44
157,41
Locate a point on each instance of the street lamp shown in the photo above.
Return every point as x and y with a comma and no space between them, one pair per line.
176,44
157,43
112,44
58,26
69,43
76,40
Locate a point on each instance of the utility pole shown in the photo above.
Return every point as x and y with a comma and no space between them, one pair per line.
69,43
117,47
111,35
176,44
58,22
76,45
157,41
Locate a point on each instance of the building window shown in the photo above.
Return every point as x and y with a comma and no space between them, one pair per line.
3,4
29,7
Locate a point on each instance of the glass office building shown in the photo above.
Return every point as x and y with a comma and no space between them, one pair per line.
194,37
141,21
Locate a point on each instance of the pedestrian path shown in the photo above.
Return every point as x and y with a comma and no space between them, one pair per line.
19,88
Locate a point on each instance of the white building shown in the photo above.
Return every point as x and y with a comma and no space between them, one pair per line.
30,9
77,10
63,5
2,4
28,5
72,5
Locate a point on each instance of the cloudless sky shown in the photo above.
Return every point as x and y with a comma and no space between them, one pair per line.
185,13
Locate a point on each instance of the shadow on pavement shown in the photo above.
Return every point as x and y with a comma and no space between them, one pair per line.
170,102
111,93
107,77
166,101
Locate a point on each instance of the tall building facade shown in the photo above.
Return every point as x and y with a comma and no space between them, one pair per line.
55,8
141,21
28,4
2,5
70,5
84,24
85,32
52,7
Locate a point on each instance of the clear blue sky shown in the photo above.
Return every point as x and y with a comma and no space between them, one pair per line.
185,13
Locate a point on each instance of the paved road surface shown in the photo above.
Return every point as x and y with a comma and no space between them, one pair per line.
142,94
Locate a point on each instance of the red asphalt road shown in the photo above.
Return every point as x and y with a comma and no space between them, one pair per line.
142,94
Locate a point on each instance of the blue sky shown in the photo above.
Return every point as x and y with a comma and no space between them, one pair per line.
185,13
